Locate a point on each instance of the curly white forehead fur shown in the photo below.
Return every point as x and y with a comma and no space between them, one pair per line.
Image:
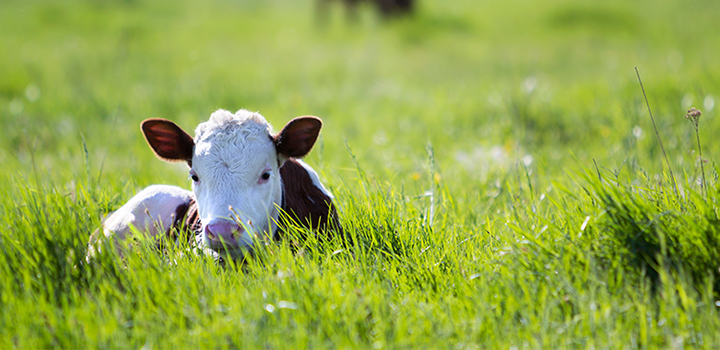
225,122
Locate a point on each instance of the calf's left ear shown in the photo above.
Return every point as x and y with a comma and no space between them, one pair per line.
168,141
297,138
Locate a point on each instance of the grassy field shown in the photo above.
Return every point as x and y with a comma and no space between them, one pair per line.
494,160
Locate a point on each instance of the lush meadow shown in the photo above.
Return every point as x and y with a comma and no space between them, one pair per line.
494,162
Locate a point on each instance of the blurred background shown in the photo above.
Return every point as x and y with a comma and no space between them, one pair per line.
489,85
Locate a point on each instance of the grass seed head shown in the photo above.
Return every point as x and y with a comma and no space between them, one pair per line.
693,115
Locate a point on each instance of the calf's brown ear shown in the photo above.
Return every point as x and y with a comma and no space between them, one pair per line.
168,141
297,138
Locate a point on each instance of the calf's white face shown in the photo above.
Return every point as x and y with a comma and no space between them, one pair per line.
234,166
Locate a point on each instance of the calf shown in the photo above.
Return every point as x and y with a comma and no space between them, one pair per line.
243,177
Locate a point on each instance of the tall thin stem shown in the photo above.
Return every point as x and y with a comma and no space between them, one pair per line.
677,194
702,166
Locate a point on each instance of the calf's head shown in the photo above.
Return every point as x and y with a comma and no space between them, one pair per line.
234,163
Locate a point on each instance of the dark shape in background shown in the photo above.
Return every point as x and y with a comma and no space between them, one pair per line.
388,8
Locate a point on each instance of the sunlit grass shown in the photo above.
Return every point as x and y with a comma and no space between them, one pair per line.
493,162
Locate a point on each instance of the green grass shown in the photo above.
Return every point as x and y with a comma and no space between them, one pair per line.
494,162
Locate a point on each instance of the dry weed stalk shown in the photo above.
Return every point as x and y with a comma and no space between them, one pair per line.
693,115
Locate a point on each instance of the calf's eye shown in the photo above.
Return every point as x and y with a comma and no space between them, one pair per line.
194,176
265,175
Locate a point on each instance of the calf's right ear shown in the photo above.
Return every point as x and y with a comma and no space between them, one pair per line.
168,141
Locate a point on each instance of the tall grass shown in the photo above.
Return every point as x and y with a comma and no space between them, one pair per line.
639,271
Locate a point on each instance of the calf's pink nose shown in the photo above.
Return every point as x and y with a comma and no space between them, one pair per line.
224,230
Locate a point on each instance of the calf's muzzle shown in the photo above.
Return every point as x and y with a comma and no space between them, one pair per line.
225,234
